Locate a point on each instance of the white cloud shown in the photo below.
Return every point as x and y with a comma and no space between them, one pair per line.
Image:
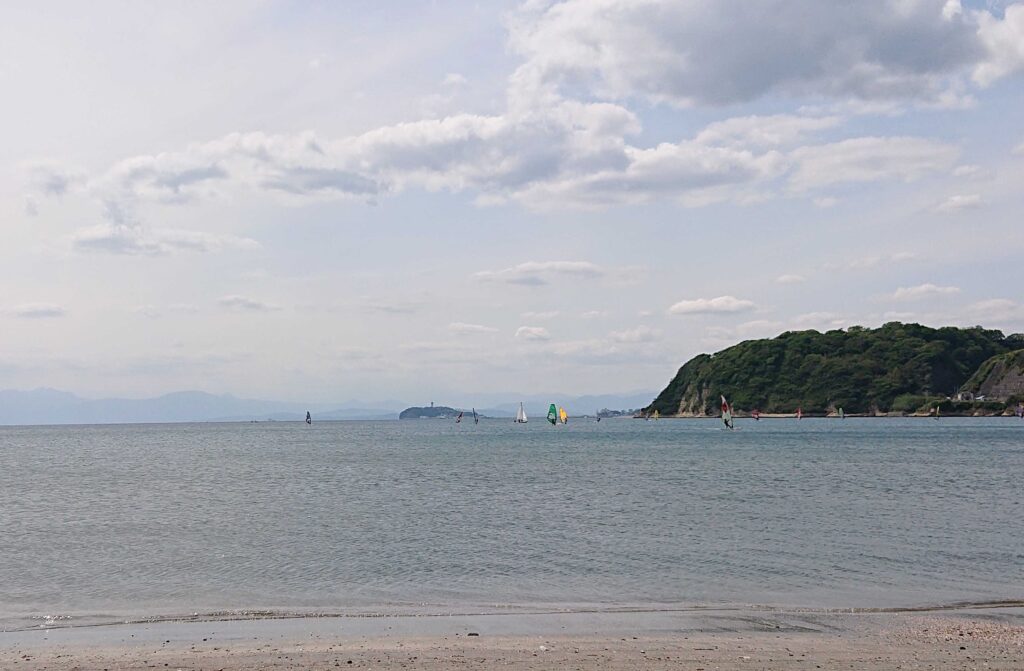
763,131
998,310
790,279
704,52
538,273
960,202
869,159
594,314
1004,42
721,304
241,303
36,311
966,170
532,333
464,328
636,335
549,314
926,290
135,240
454,79
874,261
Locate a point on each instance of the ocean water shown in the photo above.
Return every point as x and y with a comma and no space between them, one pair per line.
106,523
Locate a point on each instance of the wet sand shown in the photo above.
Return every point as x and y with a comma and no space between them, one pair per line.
724,639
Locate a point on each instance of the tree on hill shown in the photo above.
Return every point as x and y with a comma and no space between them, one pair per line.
858,369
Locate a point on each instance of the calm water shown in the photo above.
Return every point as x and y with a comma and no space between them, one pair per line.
126,521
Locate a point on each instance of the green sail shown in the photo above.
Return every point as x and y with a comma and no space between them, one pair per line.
553,414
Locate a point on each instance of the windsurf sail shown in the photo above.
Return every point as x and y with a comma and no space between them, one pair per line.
459,418
597,413
553,414
563,416
309,418
756,415
936,412
1020,410
657,415
476,418
521,415
842,415
799,413
726,413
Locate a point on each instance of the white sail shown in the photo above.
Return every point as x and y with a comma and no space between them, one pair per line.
521,415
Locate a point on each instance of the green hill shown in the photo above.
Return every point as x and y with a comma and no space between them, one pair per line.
891,368
429,412
1000,378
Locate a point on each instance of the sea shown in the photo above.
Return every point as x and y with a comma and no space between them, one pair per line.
123,523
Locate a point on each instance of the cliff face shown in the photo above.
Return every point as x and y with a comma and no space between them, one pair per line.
861,370
1000,377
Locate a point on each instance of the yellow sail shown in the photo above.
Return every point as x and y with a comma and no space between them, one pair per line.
657,414
562,415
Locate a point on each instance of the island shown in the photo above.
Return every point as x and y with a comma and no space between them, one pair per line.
429,412
896,369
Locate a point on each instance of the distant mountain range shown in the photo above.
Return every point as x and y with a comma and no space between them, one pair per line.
51,406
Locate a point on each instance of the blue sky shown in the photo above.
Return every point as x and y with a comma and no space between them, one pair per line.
401,200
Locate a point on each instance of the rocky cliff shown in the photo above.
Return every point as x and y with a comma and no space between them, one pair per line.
999,378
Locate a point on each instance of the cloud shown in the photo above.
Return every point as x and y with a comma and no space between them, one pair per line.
710,53
875,260
966,170
463,328
36,311
539,273
790,279
594,314
868,159
636,335
550,314
719,305
135,240
243,304
1004,43
763,131
533,333
454,79
998,310
960,202
922,291
54,179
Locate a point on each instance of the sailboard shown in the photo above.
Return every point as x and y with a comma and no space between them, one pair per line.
309,418
726,413
459,418
476,418
563,416
553,414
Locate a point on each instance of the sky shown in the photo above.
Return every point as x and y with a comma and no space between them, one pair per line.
318,201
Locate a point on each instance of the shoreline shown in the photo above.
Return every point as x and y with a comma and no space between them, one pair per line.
737,638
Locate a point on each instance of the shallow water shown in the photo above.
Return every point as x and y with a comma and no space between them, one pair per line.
118,522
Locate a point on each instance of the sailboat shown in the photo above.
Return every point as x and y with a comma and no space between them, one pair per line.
657,415
459,418
309,418
553,414
476,418
726,413
563,416
520,415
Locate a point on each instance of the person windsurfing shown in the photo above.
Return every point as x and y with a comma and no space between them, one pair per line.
309,418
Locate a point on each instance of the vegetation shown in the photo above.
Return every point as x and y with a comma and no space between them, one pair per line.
431,412
898,367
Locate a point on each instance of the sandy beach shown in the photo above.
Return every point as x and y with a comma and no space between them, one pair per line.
723,639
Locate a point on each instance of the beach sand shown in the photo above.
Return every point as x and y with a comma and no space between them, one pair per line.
716,639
